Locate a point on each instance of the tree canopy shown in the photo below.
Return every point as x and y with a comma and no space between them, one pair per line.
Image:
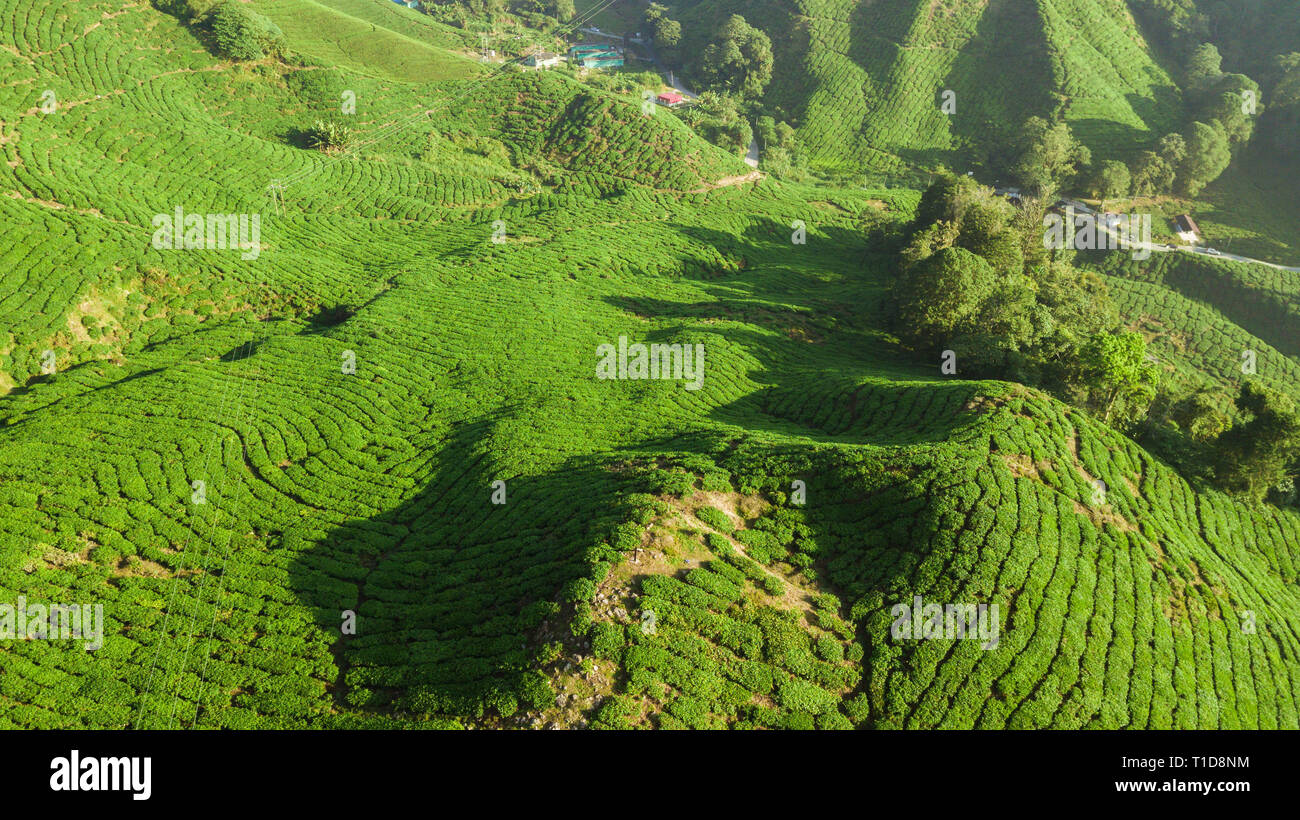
739,59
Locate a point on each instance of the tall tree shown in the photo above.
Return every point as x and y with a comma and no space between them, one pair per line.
739,59
1204,66
1048,156
1120,381
1111,180
1257,454
1208,154
1152,174
938,294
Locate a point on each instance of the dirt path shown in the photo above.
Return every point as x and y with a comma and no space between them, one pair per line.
726,182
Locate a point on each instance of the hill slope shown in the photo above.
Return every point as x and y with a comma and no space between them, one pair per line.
235,456
865,82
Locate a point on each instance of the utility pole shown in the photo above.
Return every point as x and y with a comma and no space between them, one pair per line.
276,189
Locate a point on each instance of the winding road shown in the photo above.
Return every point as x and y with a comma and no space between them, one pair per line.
1159,247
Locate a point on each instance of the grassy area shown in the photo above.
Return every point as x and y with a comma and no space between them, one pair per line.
373,41
1252,210
615,18
865,82
395,412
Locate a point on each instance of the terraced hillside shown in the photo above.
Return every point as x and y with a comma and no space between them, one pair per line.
1205,313
386,413
866,82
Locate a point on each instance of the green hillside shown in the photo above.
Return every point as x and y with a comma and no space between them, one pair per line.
865,82
237,451
369,38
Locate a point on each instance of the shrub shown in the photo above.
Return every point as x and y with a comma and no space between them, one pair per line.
535,690
327,135
579,590
616,712
607,640
773,585
802,696
715,518
242,34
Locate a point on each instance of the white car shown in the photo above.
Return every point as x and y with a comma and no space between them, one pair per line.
1213,252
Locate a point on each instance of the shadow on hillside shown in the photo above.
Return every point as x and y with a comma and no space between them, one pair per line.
827,367
1009,44
299,138
449,589
1104,136
1167,104
454,594
875,36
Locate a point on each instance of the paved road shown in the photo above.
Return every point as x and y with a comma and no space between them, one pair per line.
1159,247
1206,252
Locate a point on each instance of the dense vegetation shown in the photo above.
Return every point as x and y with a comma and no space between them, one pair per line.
368,477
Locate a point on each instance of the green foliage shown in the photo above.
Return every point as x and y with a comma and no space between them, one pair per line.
716,118
664,31
186,9
715,518
1208,154
1202,415
242,34
1112,180
616,712
1121,382
1152,174
327,135
1048,156
944,291
607,640
579,590
1205,66
966,287
738,60
1259,453
331,491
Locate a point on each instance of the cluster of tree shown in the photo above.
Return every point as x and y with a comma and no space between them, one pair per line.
665,32
1182,163
781,153
717,118
1187,27
1260,453
562,10
539,14
976,280
1115,377
1281,121
738,60
1175,24
1047,158
1248,446
234,30
242,34
1223,110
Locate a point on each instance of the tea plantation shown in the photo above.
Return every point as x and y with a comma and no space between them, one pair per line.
363,472
866,82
